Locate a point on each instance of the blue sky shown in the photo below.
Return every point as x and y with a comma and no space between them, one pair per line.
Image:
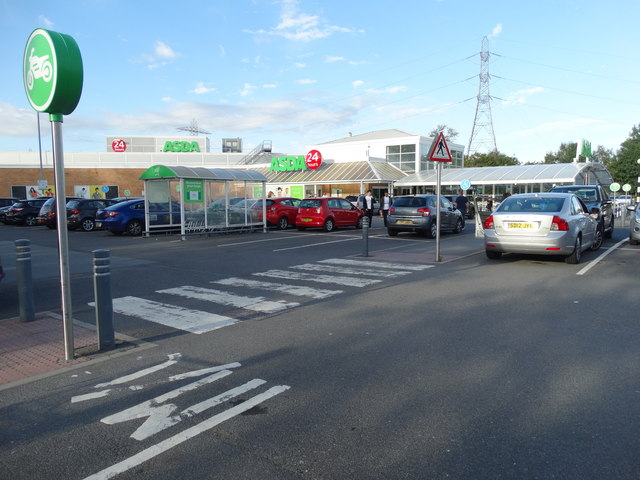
300,72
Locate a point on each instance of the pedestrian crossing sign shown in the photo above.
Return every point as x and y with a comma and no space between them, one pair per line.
440,150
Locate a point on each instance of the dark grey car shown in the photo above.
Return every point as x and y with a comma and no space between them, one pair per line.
417,213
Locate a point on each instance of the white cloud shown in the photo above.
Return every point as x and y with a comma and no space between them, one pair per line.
19,122
301,27
357,83
390,90
247,89
332,59
564,126
162,50
168,99
201,89
306,81
300,65
521,96
497,30
45,22
270,85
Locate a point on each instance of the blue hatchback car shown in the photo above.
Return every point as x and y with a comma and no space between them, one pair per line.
128,217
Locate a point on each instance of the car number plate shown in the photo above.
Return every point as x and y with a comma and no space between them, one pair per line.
98,224
306,219
404,222
520,225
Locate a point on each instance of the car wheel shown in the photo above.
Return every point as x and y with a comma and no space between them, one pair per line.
392,233
597,241
88,224
609,233
633,241
328,225
302,229
283,223
458,227
433,229
134,228
574,258
30,220
493,255
51,227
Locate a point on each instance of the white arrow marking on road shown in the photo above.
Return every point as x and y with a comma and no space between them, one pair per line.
297,290
187,434
257,304
203,371
194,321
348,270
173,359
363,263
350,281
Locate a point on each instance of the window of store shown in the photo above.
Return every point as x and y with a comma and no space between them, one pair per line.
403,157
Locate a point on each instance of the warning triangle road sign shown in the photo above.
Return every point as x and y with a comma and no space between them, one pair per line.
440,150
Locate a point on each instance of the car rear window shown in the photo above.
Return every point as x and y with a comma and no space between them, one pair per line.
410,202
310,204
586,194
532,204
73,204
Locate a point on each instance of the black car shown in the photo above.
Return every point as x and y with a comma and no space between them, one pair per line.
8,201
1,271
471,209
81,213
418,213
47,214
24,212
594,196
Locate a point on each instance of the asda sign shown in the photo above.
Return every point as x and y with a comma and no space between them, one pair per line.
178,146
312,160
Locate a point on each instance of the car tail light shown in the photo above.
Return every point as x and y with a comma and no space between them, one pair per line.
391,210
75,212
51,214
488,223
18,209
559,224
424,211
111,214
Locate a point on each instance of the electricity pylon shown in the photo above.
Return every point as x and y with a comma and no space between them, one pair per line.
482,133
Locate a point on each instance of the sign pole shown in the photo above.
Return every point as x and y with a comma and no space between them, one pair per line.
438,176
63,239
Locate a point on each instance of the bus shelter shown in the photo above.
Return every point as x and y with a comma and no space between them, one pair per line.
203,200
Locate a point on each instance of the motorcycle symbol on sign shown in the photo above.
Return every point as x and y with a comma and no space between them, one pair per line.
39,67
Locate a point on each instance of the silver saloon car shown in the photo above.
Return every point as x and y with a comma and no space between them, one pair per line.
634,227
542,224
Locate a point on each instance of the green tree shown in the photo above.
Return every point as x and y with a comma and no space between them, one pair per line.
491,159
624,166
449,133
566,154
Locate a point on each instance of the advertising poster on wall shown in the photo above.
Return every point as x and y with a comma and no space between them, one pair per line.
95,191
276,190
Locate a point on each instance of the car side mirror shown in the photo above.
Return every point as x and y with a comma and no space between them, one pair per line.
631,208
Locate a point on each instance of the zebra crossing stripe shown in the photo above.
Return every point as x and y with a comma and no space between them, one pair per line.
336,280
297,290
257,304
349,270
365,263
194,321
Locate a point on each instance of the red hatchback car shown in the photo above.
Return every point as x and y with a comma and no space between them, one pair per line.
328,213
282,211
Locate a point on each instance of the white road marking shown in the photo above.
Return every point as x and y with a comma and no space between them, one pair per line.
173,359
350,281
593,263
365,263
256,241
297,290
185,435
257,304
90,396
348,270
203,371
314,244
194,321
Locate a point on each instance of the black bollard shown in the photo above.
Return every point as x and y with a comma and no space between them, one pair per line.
365,236
103,300
24,279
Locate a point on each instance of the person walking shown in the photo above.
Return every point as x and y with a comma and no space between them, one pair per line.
385,205
461,204
368,207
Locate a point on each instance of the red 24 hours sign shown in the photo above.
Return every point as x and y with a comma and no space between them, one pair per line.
313,159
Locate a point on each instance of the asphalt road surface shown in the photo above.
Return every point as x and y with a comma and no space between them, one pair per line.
291,355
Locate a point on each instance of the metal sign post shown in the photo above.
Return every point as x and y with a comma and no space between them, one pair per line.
438,177
439,152
53,79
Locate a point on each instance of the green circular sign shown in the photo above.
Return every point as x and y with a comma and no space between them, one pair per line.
614,187
626,187
52,72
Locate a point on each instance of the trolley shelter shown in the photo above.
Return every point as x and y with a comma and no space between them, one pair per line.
203,200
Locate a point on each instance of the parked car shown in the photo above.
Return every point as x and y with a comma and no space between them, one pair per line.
471,209
328,213
593,196
3,213
1,270
281,211
8,201
634,226
128,217
543,224
418,213
81,212
24,212
47,214
358,201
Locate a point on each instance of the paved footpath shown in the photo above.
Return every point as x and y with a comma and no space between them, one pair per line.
32,349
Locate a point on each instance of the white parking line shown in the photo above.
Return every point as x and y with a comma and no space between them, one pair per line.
314,244
593,263
297,290
335,280
367,263
345,270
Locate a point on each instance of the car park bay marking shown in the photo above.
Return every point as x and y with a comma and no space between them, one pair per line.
363,263
257,304
335,280
194,321
349,270
601,256
315,244
297,290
